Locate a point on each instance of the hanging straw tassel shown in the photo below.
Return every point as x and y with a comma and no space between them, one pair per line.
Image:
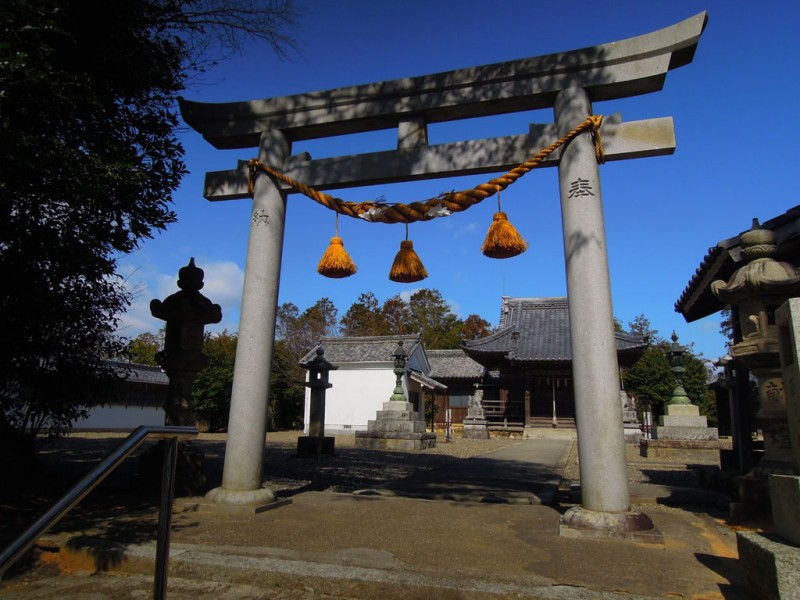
336,263
407,267
503,240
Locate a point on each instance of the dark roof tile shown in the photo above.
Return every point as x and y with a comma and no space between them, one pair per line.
362,349
453,364
537,330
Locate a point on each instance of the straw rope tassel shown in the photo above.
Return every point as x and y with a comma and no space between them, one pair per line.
407,267
502,240
336,263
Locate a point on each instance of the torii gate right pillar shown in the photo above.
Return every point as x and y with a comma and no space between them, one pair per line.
605,498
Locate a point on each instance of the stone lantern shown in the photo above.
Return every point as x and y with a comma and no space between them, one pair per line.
755,291
400,358
676,352
186,312
316,443
682,425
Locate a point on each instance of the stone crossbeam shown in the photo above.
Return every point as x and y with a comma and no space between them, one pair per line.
651,137
620,69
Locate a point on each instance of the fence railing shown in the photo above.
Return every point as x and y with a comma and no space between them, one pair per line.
170,437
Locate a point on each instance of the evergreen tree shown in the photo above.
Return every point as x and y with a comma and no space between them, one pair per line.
363,318
90,157
213,386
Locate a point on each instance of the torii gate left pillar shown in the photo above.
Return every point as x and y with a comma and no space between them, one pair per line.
567,82
247,421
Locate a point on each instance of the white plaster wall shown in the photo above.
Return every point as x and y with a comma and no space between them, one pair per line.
359,391
120,418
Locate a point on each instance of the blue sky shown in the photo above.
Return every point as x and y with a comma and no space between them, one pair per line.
735,113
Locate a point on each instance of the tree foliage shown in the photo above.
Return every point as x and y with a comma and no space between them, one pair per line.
287,389
363,318
213,385
296,333
425,312
90,162
143,348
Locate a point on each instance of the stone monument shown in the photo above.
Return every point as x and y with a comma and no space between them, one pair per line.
681,430
772,562
755,290
630,418
476,427
398,426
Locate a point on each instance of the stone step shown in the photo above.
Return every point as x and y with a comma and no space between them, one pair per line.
687,433
682,421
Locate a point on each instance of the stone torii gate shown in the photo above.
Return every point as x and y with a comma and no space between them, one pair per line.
568,82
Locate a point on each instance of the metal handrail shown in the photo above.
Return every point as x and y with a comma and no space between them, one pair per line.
170,436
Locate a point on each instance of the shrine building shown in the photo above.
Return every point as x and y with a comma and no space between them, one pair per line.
528,363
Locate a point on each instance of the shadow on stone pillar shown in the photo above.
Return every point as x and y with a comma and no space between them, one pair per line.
186,313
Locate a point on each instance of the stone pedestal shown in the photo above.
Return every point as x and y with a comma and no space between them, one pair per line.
684,422
772,567
784,493
475,429
397,427
784,489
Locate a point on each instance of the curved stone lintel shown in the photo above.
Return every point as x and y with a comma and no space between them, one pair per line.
636,526
619,69
241,497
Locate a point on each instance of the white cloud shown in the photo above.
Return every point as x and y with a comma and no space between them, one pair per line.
405,295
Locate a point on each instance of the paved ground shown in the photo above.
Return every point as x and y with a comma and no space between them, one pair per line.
459,526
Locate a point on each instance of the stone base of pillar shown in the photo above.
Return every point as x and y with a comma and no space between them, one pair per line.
250,501
772,567
633,526
312,446
397,427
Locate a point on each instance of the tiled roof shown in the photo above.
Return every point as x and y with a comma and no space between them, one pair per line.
140,373
425,380
453,364
362,349
536,330
697,301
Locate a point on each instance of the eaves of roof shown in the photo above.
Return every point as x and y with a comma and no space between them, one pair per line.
723,259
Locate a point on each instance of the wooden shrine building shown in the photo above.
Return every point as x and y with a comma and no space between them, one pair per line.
528,359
